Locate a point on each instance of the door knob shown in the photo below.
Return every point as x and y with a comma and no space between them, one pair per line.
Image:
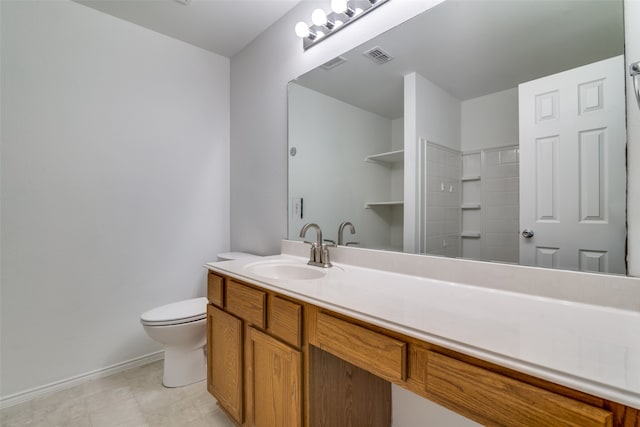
527,233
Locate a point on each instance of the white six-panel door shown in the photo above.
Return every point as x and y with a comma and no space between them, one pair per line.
572,169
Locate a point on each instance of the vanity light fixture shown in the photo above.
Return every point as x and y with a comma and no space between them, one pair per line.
323,24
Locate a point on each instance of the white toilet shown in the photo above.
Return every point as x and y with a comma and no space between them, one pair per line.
181,328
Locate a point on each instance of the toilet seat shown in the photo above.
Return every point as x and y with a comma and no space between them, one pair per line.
186,311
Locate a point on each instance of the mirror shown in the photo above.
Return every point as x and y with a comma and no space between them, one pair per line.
491,130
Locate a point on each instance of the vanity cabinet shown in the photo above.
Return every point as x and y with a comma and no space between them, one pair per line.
379,354
275,382
224,361
254,355
474,391
275,361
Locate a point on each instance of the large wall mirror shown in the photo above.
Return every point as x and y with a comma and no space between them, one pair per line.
490,130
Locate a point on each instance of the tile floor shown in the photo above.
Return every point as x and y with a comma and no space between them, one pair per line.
133,398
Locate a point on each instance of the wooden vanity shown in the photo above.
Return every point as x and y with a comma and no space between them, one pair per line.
277,361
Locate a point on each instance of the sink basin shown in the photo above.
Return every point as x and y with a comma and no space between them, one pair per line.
284,270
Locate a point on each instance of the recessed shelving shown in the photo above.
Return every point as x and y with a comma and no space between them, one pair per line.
470,206
470,234
390,157
369,205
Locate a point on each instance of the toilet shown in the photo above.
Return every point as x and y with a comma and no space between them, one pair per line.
181,328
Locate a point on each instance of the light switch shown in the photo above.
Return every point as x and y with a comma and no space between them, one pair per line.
297,208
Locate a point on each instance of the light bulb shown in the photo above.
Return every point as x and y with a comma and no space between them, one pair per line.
338,23
318,17
339,6
319,34
358,11
302,29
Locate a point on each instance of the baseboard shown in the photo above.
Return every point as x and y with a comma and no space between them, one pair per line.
35,392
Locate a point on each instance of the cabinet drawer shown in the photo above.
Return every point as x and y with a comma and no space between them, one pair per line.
215,289
494,399
377,353
247,303
285,320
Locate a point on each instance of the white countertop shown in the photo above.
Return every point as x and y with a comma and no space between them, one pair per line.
588,347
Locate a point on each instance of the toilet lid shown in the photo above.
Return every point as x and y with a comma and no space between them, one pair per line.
178,312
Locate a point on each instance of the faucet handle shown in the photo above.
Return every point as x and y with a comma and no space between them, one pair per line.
351,243
329,242
313,252
326,259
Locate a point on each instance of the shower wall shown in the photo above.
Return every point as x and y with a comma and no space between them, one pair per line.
442,201
466,177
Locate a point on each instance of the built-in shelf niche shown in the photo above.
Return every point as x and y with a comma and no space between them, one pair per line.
388,158
370,205
388,205
466,206
470,234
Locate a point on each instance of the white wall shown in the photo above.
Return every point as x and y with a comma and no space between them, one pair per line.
438,114
259,115
632,52
433,115
397,185
332,139
115,185
490,121
411,410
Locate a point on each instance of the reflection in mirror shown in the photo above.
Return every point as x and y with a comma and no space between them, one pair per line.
490,130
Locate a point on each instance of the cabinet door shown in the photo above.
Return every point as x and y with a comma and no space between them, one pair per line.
275,383
224,357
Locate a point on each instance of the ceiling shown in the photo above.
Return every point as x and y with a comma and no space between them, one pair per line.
472,48
224,27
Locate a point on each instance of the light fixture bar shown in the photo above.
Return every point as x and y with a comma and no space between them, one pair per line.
343,13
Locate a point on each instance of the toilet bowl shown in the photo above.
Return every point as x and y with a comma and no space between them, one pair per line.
181,328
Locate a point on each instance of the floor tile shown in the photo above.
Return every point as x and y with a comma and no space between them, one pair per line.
133,398
16,415
124,413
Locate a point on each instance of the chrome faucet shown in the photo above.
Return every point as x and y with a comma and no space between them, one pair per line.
319,254
341,233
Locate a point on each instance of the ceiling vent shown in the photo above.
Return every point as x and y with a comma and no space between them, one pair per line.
378,55
339,60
